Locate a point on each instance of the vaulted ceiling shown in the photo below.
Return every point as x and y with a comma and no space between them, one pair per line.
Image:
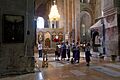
40,7
40,2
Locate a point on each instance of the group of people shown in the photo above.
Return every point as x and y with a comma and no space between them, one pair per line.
63,51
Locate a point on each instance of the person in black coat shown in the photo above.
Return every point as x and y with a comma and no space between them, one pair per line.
87,53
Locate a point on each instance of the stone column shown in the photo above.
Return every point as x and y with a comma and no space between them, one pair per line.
71,13
73,20
65,18
77,19
117,7
18,59
118,35
118,24
60,5
68,20
0,33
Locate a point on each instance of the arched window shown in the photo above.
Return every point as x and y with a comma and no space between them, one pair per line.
40,22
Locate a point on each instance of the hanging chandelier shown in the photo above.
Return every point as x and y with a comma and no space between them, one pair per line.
54,15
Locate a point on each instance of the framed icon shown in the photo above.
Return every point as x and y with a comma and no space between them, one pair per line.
40,36
60,34
53,35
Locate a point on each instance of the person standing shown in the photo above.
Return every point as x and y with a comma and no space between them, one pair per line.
68,50
40,49
63,53
73,49
77,53
58,51
87,53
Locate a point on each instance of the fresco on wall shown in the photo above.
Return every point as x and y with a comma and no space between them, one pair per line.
13,28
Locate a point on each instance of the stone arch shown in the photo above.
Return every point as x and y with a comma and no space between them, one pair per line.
84,15
89,10
85,24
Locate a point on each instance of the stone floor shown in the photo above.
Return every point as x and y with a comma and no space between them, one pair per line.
64,70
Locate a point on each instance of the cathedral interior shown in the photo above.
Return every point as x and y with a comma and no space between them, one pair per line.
26,23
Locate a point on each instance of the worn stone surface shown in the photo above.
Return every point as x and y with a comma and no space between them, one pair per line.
16,58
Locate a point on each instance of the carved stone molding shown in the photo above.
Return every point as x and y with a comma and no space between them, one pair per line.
110,18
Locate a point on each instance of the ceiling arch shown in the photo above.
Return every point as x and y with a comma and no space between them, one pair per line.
85,18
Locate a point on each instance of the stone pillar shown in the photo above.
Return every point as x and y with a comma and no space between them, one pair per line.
118,35
17,58
77,19
60,6
73,20
0,27
117,2
68,20
65,18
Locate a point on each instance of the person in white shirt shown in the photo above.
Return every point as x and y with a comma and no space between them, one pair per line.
40,49
97,40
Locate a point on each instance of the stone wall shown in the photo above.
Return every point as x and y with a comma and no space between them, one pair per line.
112,33
98,9
15,57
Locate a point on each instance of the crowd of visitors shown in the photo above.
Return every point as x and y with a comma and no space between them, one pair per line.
71,52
